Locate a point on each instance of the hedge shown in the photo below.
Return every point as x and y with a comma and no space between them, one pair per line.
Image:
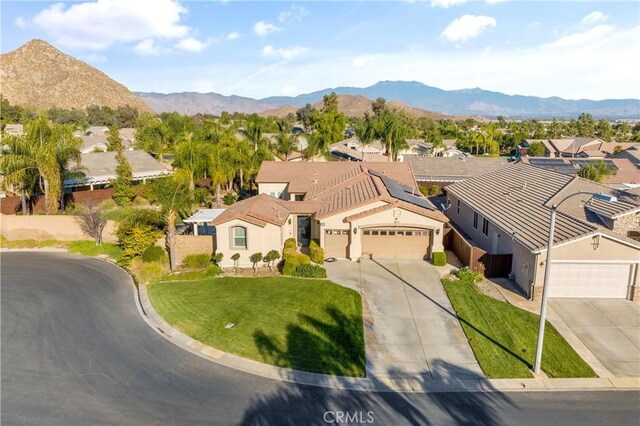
196,261
316,253
310,271
290,243
292,258
439,258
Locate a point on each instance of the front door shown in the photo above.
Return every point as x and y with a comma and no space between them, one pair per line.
304,230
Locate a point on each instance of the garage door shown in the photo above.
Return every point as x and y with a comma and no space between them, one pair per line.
589,280
395,243
335,243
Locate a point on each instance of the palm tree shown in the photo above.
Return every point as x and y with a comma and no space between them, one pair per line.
253,133
285,144
175,199
15,175
220,168
366,133
190,155
46,149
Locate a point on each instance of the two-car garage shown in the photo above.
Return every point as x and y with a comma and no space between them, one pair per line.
381,243
591,280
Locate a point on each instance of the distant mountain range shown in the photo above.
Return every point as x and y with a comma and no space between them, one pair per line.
474,101
192,103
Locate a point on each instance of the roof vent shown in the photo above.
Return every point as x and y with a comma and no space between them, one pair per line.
524,185
315,181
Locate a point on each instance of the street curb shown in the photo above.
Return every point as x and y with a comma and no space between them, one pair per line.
398,383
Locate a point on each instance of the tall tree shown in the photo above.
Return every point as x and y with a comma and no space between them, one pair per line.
365,132
285,144
123,192
114,141
191,155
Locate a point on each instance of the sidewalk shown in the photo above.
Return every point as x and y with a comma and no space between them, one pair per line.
411,383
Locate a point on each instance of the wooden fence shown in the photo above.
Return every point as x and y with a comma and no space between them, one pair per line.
12,205
478,260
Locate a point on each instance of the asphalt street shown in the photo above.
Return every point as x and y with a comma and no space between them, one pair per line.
75,351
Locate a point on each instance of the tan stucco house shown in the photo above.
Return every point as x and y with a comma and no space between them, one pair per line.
508,211
353,209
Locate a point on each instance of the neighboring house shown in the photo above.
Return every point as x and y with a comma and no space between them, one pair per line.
201,220
625,174
508,211
574,147
632,154
98,169
14,129
354,210
443,171
95,139
352,150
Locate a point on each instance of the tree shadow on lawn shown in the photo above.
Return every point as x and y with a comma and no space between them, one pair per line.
461,319
334,347
295,404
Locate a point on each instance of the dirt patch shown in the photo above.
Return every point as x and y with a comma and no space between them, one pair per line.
262,271
489,289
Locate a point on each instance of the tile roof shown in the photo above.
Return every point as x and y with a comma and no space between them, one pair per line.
626,173
449,169
517,199
632,154
258,210
303,176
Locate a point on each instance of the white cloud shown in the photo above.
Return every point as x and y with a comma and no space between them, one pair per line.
294,12
147,47
233,35
263,29
284,52
467,27
94,58
494,1
99,24
584,37
594,17
191,44
20,22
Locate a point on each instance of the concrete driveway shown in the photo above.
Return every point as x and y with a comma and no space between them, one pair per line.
410,325
609,328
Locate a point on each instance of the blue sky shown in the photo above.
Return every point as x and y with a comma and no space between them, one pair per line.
572,49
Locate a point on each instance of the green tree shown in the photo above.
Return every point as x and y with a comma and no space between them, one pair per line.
365,132
604,131
586,125
536,149
151,135
285,144
595,172
175,199
46,149
123,192
191,156
114,141
253,133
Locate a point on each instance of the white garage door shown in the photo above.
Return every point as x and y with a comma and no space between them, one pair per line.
589,280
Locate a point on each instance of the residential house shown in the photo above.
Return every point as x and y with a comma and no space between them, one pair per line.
94,139
574,147
632,154
508,212
443,171
624,174
98,169
353,210
352,150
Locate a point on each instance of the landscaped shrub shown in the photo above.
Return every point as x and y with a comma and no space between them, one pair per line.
467,274
316,253
155,254
310,271
290,243
229,199
439,258
235,259
217,258
271,258
196,261
147,272
255,258
138,230
292,261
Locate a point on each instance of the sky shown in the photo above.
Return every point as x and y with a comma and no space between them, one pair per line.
572,49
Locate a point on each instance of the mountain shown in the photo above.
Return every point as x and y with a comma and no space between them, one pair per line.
356,106
192,103
474,101
37,74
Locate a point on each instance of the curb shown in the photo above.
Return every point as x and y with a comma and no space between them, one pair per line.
392,383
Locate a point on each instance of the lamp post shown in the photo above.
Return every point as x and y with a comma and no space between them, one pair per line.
547,269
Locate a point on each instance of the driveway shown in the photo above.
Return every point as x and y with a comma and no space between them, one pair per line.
410,326
609,328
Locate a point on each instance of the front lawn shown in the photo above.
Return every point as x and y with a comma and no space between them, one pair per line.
310,325
503,337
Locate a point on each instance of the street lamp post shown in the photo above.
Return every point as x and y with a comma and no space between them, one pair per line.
547,270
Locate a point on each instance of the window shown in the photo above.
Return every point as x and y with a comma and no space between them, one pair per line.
458,207
375,232
418,233
475,220
400,233
485,226
392,232
239,237
277,194
298,197
383,232
367,232
408,233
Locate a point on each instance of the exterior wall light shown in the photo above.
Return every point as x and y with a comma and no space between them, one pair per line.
595,242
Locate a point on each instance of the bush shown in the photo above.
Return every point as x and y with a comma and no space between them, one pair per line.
155,254
435,191
466,274
439,258
229,199
316,253
196,261
147,272
217,258
310,271
423,190
290,243
138,230
271,258
292,261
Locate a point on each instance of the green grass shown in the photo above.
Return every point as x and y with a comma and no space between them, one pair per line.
310,325
16,244
503,337
89,248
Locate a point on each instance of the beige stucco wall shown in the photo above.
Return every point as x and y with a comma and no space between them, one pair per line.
259,239
265,188
49,227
